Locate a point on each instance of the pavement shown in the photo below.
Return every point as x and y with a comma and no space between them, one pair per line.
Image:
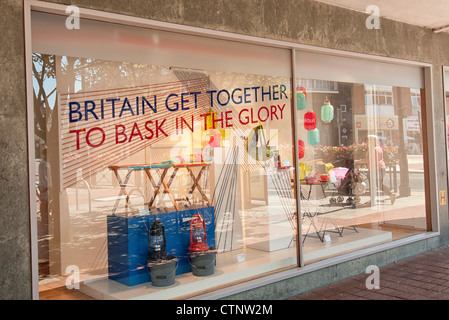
422,277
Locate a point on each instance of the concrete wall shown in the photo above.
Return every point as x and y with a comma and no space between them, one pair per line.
15,271
300,21
288,287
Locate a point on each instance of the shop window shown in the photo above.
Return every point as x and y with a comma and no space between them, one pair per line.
152,144
364,183
160,157
347,205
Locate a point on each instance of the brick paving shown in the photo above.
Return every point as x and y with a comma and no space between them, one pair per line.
423,277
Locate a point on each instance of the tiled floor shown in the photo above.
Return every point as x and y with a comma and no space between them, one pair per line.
423,277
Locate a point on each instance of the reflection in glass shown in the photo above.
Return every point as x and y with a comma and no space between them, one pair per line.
372,155
130,144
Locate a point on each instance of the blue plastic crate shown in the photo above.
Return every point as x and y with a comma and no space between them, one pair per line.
128,242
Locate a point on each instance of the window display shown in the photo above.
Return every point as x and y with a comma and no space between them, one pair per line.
166,164
362,178
160,173
162,166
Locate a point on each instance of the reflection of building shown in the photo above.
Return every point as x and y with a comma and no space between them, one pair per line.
367,109
340,96
380,109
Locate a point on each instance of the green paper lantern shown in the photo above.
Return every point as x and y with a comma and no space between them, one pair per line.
327,112
313,137
301,98
300,101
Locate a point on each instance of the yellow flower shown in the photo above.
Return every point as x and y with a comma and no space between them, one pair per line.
328,167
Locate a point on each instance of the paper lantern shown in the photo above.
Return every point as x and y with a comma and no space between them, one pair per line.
327,111
214,138
313,137
301,149
301,98
310,121
210,119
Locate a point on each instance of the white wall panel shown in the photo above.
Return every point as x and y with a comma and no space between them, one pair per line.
114,42
336,68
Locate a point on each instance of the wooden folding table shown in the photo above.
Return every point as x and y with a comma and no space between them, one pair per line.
147,168
157,186
196,179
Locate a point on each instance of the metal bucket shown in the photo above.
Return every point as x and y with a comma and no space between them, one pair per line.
163,271
202,262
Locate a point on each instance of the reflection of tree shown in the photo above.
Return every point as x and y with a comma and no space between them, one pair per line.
43,69
53,75
75,75
44,90
93,74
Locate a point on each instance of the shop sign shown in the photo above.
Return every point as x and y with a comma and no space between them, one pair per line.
369,123
412,124
94,124
389,123
89,119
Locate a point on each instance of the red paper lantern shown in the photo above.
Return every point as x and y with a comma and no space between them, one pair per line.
310,121
301,149
302,89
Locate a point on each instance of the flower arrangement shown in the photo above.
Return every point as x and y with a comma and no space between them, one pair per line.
333,154
340,156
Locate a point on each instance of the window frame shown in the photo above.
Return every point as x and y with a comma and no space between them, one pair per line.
40,6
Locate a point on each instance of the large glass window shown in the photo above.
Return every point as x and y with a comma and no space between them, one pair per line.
362,169
165,163
159,169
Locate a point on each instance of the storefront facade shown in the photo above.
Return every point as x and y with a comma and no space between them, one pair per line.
157,139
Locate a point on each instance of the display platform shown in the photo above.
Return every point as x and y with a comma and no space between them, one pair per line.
315,249
128,242
256,262
230,269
